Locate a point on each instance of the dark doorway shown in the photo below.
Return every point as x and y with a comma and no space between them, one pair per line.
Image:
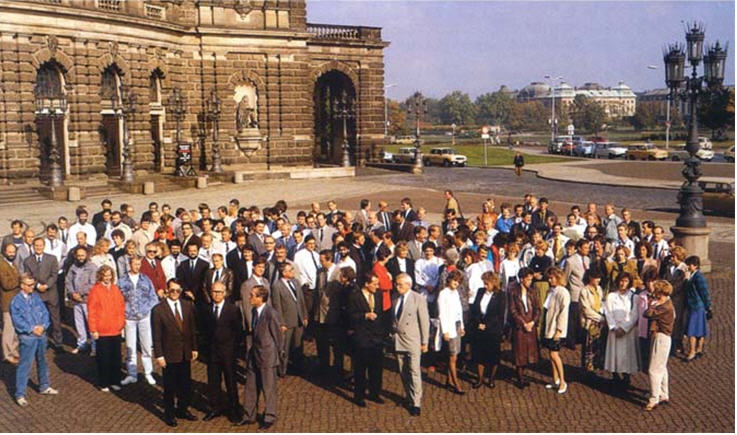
156,140
329,127
110,136
43,126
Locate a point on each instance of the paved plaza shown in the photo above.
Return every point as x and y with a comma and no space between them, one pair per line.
702,392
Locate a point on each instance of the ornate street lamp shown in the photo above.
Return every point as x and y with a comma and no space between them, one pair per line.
213,115
418,108
177,104
343,109
52,108
690,226
123,108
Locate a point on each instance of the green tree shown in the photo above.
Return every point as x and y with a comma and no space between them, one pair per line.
716,111
530,115
646,115
493,108
397,118
587,115
457,108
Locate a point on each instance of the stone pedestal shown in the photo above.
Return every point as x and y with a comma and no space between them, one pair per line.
148,188
74,194
696,242
201,183
248,141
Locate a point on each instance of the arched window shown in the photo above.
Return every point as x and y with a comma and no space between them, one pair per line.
48,81
154,88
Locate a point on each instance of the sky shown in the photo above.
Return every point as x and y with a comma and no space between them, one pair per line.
441,46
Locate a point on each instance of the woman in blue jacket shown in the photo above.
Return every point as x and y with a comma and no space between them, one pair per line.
698,303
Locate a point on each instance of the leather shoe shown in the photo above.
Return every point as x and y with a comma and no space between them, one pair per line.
245,422
491,384
476,385
414,411
210,415
171,422
376,399
360,402
266,425
187,416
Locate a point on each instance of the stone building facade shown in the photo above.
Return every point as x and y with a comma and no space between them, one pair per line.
276,77
618,101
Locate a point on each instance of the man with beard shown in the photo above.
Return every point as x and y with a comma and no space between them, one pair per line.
190,274
116,223
78,282
10,286
82,226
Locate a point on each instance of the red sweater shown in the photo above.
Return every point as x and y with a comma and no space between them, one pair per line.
106,310
385,284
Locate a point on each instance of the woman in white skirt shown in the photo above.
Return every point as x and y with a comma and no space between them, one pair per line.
450,312
622,352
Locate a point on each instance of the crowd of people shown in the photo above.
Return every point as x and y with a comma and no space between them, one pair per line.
181,285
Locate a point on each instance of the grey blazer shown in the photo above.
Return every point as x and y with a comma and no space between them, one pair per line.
327,237
415,251
412,328
556,318
267,339
574,272
45,272
292,312
246,295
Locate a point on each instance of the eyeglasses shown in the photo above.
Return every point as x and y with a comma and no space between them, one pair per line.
218,291
175,290
152,251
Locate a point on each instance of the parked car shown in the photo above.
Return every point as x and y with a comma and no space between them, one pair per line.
405,139
444,157
680,153
584,149
387,157
729,154
598,139
646,151
567,148
718,194
608,150
404,155
555,146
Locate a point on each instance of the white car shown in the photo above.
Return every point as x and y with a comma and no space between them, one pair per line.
729,154
680,153
608,150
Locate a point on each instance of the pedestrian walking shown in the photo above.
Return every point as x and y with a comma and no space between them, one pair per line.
519,163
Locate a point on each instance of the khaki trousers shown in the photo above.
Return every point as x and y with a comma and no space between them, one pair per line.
10,339
658,371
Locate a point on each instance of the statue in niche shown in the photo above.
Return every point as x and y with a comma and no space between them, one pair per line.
245,115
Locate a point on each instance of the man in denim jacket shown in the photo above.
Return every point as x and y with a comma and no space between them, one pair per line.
140,298
30,319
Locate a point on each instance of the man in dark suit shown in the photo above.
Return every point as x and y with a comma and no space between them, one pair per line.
280,257
218,272
540,216
407,212
107,206
223,328
45,269
401,228
369,324
191,273
240,261
175,346
289,302
262,358
256,278
330,327
256,240
401,263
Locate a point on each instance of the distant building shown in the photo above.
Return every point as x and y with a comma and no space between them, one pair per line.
618,101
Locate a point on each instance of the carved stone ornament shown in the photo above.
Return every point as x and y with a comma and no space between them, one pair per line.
53,43
114,48
243,7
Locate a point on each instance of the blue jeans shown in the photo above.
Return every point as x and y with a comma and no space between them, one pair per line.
31,347
80,324
143,329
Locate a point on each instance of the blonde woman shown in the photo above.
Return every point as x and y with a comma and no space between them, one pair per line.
555,325
660,314
509,268
101,257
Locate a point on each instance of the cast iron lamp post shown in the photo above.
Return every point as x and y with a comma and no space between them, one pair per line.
343,109
417,107
125,109
213,115
52,108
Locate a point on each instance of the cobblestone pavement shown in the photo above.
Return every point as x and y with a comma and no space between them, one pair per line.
702,393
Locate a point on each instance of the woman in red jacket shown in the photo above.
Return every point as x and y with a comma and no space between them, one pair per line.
106,320
385,279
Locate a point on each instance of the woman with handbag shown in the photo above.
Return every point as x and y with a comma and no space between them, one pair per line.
593,322
698,303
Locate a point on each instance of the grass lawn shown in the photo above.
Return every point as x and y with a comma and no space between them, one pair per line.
496,156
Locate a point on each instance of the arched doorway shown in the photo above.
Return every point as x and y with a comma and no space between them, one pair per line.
328,125
48,91
111,126
158,117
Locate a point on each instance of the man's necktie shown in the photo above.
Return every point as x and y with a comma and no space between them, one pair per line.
254,318
291,289
38,259
320,235
216,311
178,316
400,307
217,275
191,265
52,244
153,264
371,302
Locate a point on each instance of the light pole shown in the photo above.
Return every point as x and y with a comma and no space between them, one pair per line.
178,108
126,107
417,107
690,226
553,121
453,135
667,112
343,108
213,115
386,110
52,107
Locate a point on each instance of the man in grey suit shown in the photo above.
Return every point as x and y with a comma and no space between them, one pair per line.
288,301
411,325
45,270
25,250
256,240
262,359
415,245
576,267
323,233
258,277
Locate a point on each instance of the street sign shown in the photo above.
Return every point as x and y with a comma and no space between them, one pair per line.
570,129
485,136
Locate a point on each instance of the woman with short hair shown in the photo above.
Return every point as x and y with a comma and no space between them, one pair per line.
660,314
101,257
555,325
106,318
487,320
450,312
593,322
621,315
698,303
524,313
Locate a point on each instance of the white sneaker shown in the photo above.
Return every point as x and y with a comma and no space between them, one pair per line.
115,387
21,401
50,392
105,390
129,380
150,379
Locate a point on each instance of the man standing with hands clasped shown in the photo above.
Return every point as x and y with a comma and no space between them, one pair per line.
411,332
175,346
